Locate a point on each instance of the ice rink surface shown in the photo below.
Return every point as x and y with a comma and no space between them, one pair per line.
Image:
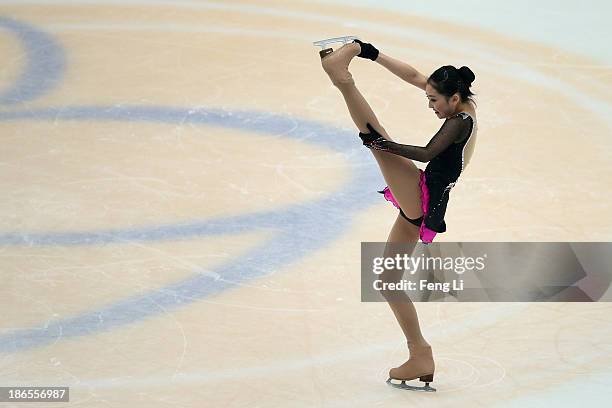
184,197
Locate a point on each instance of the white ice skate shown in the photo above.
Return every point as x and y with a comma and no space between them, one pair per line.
404,386
324,43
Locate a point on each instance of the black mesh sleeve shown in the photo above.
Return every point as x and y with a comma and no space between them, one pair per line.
453,130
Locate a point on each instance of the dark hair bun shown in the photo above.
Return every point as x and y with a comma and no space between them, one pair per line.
467,75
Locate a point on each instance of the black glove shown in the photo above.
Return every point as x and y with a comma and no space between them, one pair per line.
367,50
372,137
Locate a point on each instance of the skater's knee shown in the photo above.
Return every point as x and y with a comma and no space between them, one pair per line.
394,296
390,287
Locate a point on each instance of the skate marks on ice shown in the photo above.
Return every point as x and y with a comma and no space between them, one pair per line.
457,372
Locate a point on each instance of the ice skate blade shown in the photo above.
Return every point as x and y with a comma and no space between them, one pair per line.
404,386
344,40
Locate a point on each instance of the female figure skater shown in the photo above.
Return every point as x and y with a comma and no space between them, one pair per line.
421,196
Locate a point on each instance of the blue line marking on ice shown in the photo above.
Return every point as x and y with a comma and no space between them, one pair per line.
45,63
299,229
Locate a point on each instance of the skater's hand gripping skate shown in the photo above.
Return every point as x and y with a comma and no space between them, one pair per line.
369,138
376,141
367,50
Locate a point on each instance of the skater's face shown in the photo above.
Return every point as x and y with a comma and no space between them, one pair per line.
442,105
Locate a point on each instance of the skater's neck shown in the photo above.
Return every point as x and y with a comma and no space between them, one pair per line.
463,107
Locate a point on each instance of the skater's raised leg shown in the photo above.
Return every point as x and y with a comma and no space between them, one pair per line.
401,174
336,66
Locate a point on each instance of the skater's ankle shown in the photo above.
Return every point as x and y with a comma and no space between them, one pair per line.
418,344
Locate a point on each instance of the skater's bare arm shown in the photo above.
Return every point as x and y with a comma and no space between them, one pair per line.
399,68
402,70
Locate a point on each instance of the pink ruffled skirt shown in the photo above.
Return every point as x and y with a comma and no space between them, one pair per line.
425,233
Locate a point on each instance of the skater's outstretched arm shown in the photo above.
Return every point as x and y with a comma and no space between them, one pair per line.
402,70
454,129
399,68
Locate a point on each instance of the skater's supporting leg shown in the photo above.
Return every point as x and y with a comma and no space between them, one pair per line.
401,175
420,364
406,234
